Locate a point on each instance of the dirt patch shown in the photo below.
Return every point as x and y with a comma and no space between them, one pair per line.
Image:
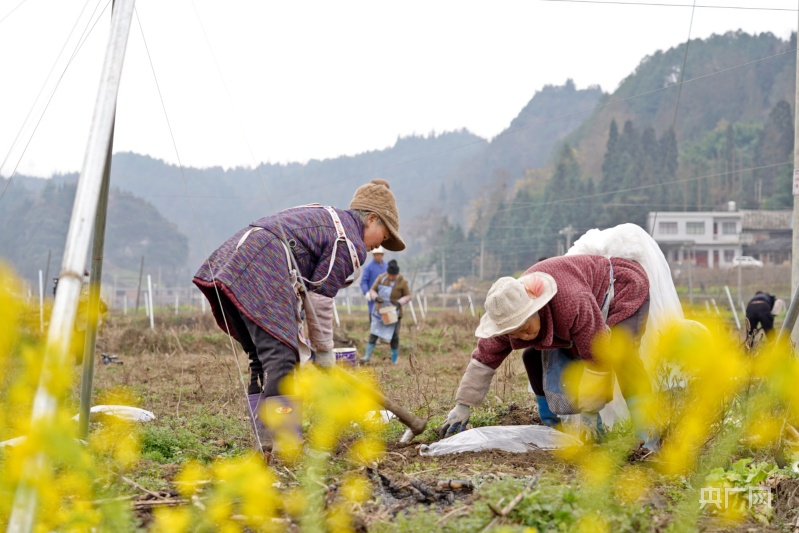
500,463
786,500
516,415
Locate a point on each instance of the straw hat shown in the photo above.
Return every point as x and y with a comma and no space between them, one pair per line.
376,196
510,302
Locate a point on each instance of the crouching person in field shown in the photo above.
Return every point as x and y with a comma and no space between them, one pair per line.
760,311
554,313
256,283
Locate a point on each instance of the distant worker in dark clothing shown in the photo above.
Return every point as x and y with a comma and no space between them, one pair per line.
762,309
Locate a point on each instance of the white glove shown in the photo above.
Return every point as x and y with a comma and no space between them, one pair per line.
595,390
456,420
368,296
591,429
325,359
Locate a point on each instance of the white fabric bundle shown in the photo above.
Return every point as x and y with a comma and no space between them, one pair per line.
630,241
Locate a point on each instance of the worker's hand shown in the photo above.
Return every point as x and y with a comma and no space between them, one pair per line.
592,430
325,359
368,296
379,300
595,390
456,420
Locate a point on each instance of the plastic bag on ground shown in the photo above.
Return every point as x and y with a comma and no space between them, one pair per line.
125,412
383,415
517,439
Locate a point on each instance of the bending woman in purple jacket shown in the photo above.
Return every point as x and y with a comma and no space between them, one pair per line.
257,281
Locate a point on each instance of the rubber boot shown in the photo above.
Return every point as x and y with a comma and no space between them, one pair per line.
284,422
262,434
548,418
368,355
394,356
642,427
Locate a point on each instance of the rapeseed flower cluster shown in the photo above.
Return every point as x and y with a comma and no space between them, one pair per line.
713,401
244,493
69,479
62,475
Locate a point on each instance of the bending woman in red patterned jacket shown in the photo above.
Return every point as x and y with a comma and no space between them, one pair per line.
257,281
561,304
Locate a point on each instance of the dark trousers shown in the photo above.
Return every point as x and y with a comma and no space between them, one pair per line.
394,338
759,311
632,376
270,359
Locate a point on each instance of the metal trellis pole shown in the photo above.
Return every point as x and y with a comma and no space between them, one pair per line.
95,279
23,512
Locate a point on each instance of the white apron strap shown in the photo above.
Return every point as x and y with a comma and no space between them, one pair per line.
244,237
341,235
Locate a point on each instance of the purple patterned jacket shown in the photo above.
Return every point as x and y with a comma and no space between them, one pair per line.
255,278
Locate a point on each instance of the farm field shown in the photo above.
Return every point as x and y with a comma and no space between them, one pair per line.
185,373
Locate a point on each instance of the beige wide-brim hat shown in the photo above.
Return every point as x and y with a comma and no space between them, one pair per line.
376,196
509,303
379,250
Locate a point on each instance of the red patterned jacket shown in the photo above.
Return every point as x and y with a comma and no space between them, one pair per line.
573,317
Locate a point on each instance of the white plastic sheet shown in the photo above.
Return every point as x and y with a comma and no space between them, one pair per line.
383,415
517,439
13,442
125,412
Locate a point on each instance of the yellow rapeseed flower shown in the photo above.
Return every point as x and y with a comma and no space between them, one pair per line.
592,523
172,519
188,481
338,519
355,489
294,502
632,484
367,449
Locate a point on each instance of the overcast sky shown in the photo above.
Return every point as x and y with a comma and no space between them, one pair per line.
251,81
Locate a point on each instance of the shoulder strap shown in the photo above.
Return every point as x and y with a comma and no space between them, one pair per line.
609,294
341,235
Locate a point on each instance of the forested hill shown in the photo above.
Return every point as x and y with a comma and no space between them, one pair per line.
727,136
34,222
550,115
730,78
219,202
438,173
208,205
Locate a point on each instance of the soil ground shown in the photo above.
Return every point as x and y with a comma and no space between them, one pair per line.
185,372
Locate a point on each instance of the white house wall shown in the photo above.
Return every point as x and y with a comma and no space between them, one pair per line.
711,238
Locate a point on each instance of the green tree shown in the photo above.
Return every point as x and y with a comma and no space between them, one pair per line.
774,151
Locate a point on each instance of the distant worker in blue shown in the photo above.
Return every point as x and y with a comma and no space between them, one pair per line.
371,272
